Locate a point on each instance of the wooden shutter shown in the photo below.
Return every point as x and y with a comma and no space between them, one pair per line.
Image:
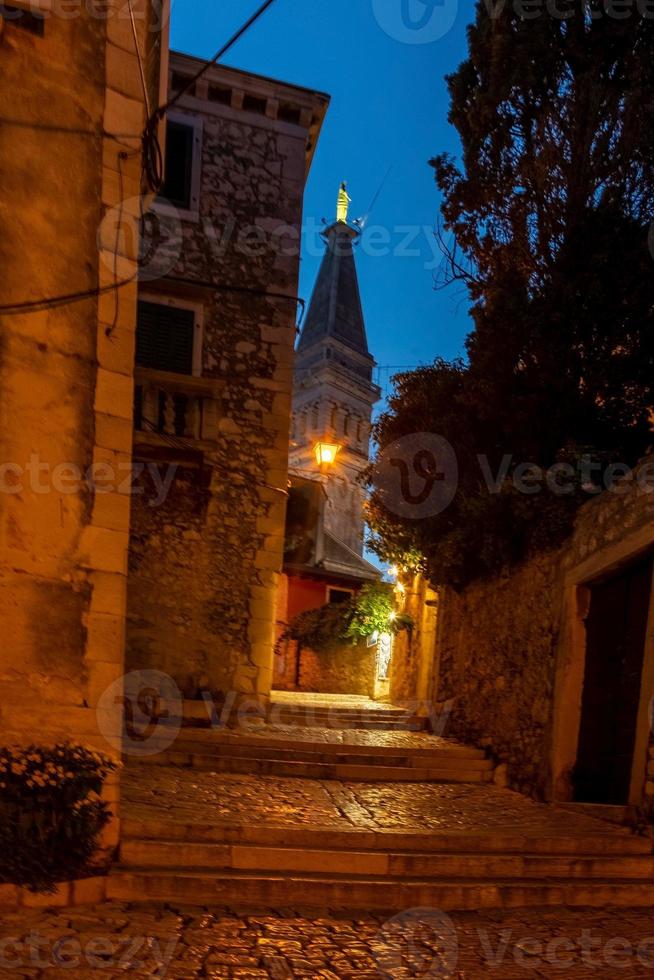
164,338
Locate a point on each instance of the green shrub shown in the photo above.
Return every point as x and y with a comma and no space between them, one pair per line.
324,629
51,813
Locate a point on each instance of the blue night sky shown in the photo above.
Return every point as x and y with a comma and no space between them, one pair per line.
389,108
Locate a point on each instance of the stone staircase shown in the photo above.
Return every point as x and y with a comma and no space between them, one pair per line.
264,865
269,755
363,716
296,742
478,847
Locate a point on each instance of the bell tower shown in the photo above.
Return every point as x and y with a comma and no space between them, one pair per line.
333,389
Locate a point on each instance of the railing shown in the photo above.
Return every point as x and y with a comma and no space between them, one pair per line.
176,405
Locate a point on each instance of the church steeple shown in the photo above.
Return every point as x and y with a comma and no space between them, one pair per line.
335,309
333,389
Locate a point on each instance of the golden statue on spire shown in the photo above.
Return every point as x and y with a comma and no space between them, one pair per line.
343,204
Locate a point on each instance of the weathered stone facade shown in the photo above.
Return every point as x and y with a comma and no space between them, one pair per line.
205,562
496,659
511,649
348,669
72,108
412,664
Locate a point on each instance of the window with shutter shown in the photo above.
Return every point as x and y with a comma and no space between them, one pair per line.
164,338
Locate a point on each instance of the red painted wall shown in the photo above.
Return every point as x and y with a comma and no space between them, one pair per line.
303,594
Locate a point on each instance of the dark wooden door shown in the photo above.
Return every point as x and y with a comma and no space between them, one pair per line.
615,647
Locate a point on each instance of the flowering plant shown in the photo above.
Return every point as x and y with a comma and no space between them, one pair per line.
50,812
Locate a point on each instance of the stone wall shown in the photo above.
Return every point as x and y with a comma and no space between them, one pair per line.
66,372
504,641
497,652
346,670
414,650
205,564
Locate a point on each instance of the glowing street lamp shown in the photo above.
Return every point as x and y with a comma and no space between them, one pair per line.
326,453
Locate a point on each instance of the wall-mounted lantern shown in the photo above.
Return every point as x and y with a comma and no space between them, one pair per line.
326,453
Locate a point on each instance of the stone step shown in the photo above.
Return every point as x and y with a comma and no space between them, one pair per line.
435,759
199,714
501,842
368,892
430,865
207,742
475,772
624,816
372,721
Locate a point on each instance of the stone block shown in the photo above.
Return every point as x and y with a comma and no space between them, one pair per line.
114,394
122,71
104,550
116,346
105,638
89,891
109,593
123,117
102,676
111,510
113,433
58,900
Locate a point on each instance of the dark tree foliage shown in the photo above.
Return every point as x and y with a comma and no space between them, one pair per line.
550,209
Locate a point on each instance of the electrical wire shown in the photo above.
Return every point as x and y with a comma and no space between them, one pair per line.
40,127
152,152
146,98
218,55
153,170
51,302
37,305
247,290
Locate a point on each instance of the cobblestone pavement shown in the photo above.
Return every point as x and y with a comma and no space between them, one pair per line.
158,792
118,940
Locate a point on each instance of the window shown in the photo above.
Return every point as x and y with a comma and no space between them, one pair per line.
289,114
179,165
252,104
219,94
339,595
181,187
179,83
165,337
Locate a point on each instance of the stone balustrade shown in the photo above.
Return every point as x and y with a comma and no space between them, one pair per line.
175,405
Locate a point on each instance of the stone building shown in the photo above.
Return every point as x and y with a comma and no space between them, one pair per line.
333,391
333,398
551,664
72,110
214,359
